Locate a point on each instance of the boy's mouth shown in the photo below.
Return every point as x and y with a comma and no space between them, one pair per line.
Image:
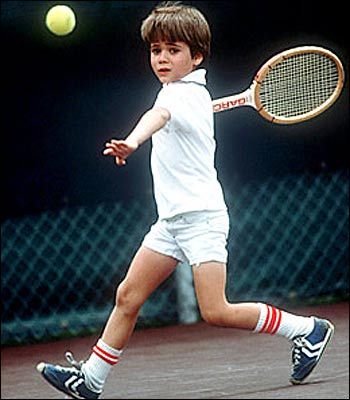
163,70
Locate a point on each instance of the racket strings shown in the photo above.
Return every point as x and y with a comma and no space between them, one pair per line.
298,85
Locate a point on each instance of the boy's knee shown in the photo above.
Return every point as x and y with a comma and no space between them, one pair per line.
212,315
127,299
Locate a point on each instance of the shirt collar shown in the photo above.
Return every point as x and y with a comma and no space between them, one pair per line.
197,76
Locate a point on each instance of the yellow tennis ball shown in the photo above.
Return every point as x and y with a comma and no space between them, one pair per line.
60,20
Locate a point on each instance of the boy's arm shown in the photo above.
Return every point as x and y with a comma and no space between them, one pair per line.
153,120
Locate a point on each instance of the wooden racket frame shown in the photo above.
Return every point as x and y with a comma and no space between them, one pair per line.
251,96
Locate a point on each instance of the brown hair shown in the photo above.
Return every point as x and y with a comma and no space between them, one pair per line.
172,21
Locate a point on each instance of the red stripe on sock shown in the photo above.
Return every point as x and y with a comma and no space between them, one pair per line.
266,320
106,352
109,358
278,322
272,320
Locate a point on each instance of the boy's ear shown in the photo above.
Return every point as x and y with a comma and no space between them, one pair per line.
197,59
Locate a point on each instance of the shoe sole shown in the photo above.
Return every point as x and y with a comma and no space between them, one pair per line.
328,338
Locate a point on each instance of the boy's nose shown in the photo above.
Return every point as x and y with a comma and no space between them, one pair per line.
163,57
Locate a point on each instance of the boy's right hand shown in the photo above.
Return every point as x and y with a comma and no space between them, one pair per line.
120,149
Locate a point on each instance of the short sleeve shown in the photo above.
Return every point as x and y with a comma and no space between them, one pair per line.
175,99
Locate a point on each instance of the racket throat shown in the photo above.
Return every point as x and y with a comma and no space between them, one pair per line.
228,103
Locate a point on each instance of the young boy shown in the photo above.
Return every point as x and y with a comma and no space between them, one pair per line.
192,223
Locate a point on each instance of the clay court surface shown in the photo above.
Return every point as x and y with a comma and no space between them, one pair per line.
193,362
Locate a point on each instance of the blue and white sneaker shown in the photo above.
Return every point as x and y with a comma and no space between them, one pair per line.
307,350
69,380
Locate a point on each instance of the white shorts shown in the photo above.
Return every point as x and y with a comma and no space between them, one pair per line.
193,237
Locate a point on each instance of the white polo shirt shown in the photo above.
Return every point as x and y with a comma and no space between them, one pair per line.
183,151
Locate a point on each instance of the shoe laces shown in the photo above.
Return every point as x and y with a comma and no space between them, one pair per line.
297,345
78,365
72,361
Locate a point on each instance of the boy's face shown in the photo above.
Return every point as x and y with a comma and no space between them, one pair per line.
171,61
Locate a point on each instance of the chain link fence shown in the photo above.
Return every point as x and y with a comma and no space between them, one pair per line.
288,243
290,239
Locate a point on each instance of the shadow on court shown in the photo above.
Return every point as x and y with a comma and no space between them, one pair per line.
193,362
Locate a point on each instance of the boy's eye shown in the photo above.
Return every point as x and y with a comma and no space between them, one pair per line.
155,51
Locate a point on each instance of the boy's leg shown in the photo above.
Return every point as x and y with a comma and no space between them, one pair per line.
85,380
147,271
309,335
210,285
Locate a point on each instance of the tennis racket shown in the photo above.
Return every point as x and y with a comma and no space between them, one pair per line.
292,86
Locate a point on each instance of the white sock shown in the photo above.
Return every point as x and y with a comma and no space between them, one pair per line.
275,321
97,367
